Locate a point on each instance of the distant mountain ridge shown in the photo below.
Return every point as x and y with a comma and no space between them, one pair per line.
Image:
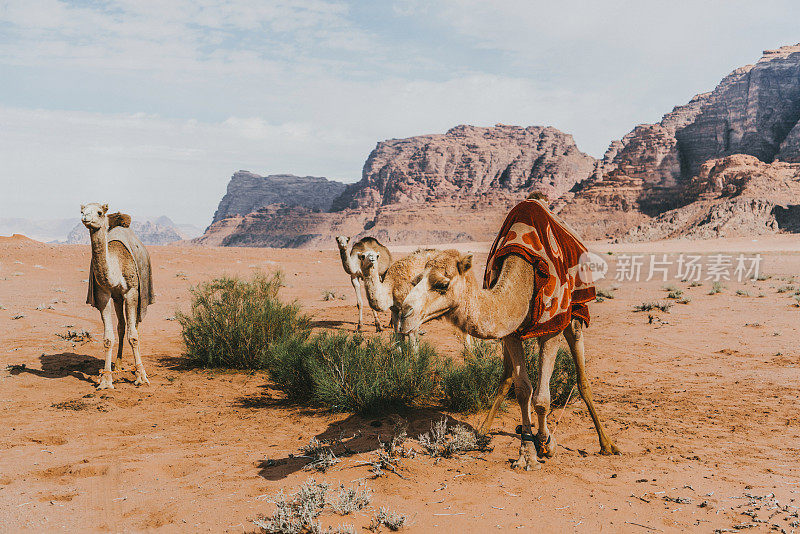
727,163
464,172
248,192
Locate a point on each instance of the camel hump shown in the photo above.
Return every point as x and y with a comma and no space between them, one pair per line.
119,219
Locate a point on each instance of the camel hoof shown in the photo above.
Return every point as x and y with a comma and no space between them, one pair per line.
527,457
610,450
141,377
105,382
546,448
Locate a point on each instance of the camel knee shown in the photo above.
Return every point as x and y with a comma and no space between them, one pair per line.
108,342
133,339
541,401
523,389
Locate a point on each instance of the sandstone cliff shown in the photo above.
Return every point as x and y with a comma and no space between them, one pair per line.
754,111
248,192
440,188
465,163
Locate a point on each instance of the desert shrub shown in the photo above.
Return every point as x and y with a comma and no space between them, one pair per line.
564,376
296,513
684,300
389,519
445,442
604,294
235,323
742,293
470,386
695,284
647,306
678,293
351,373
352,499
716,287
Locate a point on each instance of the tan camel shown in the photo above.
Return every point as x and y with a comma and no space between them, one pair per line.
120,272
448,289
390,293
352,266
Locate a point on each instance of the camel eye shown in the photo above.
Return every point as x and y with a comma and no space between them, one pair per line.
441,285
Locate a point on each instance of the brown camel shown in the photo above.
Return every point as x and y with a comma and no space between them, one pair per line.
352,266
120,272
390,293
448,289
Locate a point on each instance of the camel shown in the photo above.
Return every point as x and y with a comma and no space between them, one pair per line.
447,288
120,272
390,293
352,266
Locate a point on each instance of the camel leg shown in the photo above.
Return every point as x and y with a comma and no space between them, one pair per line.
378,326
119,307
106,313
574,335
131,314
502,390
357,286
522,387
548,350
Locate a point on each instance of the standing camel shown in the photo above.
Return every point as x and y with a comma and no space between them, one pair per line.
534,286
352,266
390,293
120,272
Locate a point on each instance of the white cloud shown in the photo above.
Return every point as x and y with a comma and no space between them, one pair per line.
309,86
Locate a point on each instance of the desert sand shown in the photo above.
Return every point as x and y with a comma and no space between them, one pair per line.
703,401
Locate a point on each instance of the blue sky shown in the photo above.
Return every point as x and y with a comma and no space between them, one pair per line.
152,105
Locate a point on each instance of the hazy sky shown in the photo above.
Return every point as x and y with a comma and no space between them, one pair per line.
152,105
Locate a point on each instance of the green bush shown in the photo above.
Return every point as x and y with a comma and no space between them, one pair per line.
365,376
470,386
235,323
564,376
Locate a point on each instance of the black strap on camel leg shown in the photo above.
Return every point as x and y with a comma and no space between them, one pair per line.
530,436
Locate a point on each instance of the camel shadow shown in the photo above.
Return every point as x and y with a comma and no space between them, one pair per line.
357,434
62,365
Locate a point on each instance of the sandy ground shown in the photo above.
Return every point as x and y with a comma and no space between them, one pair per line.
703,401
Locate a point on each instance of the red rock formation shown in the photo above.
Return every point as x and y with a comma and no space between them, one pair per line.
755,110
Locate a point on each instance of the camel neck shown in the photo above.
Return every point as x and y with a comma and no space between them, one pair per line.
497,312
378,294
99,239
347,262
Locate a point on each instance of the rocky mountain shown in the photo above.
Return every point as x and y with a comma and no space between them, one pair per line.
655,169
436,188
247,192
465,163
158,231
46,230
727,163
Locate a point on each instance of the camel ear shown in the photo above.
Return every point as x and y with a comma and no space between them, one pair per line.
104,207
83,207
465,263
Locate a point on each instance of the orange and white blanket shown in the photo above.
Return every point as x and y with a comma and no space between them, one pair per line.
563,285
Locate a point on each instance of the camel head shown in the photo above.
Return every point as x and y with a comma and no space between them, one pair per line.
437,291
94,216
342,241
369,260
